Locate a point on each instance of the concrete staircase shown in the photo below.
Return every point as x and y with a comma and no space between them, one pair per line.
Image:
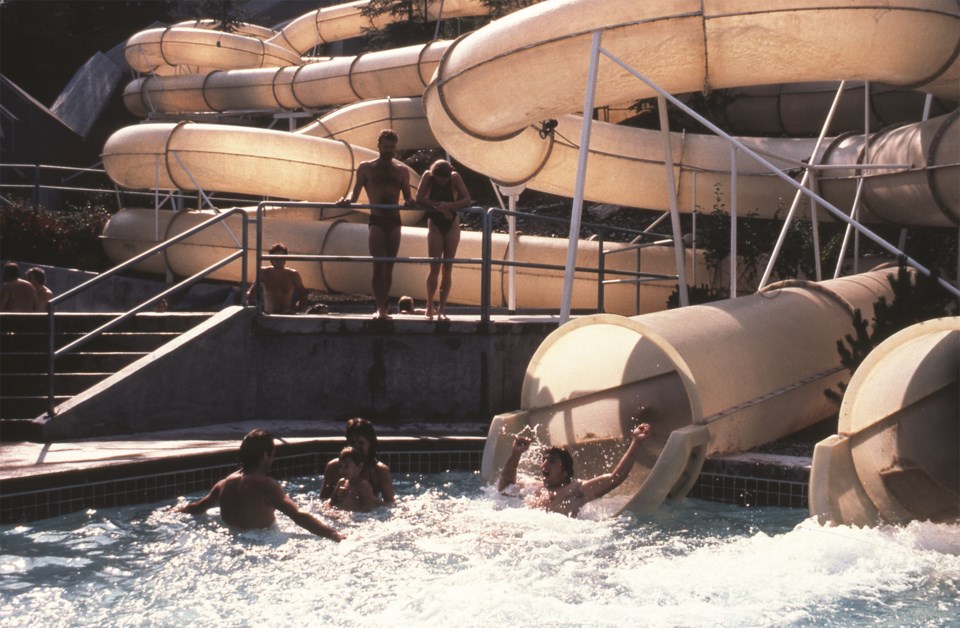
23,359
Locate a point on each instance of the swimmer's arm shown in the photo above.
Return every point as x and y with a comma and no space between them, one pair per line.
603,484
330,476
423,192
305,520
361,181
300,290
463,195
386,483
203,504
405,187
508,475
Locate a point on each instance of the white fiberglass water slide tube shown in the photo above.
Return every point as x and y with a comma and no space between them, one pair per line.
196,48
896,457
708,378
542,53
127,235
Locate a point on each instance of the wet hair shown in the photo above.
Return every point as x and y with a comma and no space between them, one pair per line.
349,453
363,428
254,445
11,271
388,134
37,275
566,460
279,247
441,168
405,304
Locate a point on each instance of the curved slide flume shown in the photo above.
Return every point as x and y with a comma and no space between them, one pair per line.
714,378
543,52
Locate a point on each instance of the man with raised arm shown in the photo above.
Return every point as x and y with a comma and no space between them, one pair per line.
384,180
559,492
249,497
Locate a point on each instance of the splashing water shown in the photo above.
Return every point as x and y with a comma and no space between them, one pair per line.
453,553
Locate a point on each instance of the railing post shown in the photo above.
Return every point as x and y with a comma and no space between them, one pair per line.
601,267
259,252
36,187
244,230
51,358
485,266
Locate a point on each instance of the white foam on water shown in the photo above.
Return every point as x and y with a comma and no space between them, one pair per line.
452,554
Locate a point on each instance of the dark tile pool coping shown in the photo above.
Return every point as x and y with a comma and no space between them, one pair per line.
742,479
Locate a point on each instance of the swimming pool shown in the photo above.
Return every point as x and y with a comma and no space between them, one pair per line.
452,553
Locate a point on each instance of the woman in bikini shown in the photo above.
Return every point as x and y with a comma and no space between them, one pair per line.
443,192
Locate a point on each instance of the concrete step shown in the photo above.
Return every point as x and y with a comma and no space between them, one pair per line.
71,322
110,341
81,362
26,407
36,383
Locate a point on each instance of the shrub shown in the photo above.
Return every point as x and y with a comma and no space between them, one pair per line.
69,238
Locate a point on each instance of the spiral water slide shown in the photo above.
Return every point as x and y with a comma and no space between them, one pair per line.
710,378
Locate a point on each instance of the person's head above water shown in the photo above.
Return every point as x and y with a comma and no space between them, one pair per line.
362,436
557,466
405,305
351,462
254,445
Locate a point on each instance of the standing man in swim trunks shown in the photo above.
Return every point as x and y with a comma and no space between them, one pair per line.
384,180
559,492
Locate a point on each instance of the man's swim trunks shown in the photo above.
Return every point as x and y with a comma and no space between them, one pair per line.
387,222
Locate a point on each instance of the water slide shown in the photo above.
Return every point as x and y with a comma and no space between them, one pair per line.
710,378
894,458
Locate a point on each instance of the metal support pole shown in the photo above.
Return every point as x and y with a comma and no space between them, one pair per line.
678,250
513,193
733,222
485,267
803,182
581,178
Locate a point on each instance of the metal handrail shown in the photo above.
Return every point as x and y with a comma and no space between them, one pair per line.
486,259
109,186
54,353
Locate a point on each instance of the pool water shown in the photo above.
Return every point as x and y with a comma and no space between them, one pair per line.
454,553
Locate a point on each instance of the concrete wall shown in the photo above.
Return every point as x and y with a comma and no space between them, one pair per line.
241,367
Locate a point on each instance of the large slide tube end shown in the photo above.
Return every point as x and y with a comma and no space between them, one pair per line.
896,457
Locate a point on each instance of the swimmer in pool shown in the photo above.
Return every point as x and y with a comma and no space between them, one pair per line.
362,437
559,492
352,491
249,497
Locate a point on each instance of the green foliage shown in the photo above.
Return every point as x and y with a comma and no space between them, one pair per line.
228,14
696,295
413,25
756,238
68,238
913,302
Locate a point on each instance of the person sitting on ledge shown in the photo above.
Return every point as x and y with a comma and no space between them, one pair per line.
283,289
353,491
249,497
559,492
